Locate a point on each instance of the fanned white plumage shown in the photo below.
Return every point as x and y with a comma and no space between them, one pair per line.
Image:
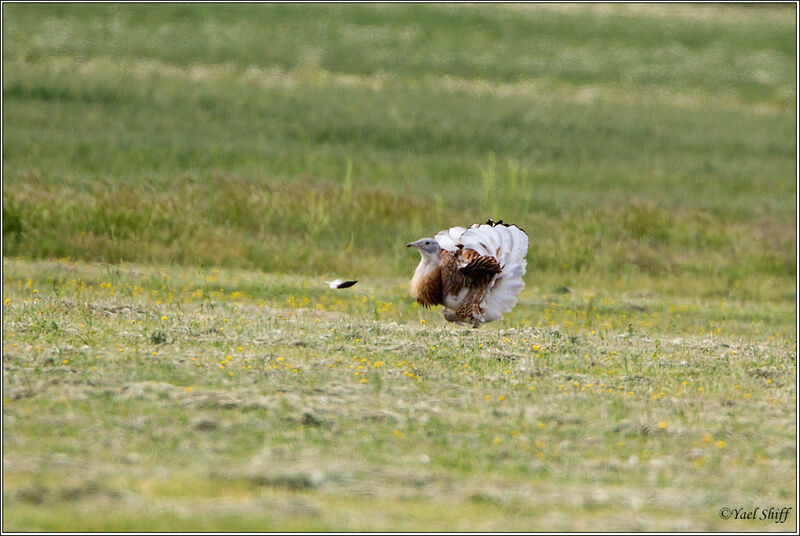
506,243
482,239
448,238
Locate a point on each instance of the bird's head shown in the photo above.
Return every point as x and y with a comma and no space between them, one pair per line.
428,247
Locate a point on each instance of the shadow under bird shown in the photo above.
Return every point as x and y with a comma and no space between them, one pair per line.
474,273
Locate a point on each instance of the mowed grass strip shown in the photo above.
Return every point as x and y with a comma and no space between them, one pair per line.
281,405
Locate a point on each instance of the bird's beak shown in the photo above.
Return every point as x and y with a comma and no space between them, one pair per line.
413,245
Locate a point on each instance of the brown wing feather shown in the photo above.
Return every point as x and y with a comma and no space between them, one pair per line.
480,270
467,269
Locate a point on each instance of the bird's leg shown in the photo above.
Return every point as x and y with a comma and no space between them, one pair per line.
450,315
475,306
470,305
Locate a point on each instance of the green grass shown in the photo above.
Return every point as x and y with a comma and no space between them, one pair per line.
178,181
146,393
274,141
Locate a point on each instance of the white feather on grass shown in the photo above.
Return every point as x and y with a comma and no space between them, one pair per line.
339,283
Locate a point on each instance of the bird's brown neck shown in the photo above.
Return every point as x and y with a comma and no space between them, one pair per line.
426,285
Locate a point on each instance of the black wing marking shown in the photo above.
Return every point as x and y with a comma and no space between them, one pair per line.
346,284
500,222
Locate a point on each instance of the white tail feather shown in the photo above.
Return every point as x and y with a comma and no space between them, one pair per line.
482,239
506,244
501,298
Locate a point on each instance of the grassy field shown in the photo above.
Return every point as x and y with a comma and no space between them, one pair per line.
178,180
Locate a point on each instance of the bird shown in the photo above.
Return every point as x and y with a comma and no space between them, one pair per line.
474,273
338,283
